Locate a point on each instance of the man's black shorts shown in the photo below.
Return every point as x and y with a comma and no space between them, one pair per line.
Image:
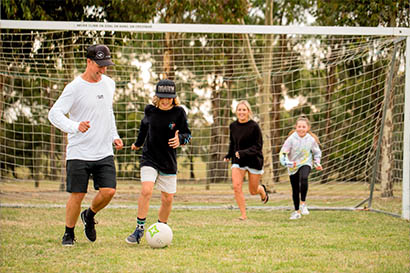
79,171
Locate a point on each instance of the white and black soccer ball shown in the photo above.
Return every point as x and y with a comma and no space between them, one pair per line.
159,235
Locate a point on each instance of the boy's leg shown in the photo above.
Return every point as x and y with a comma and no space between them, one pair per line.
166,206
144,198
148,178
143,206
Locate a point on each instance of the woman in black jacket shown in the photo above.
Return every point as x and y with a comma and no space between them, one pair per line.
245,152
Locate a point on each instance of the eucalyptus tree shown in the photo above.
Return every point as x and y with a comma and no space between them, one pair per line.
269,76
391,13
45,80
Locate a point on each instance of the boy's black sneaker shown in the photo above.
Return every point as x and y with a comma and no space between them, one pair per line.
135,237
89,227
68,239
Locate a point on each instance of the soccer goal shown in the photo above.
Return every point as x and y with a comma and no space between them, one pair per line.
352,83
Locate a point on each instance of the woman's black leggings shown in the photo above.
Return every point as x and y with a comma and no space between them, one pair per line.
299,182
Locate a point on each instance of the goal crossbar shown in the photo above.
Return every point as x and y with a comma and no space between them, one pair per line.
202,28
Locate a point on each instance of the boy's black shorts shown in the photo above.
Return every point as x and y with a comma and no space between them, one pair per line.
79,171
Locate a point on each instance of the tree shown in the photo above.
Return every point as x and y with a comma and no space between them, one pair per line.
392,13
80,10
270,80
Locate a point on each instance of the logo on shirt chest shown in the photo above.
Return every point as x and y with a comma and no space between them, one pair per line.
171,126
100,97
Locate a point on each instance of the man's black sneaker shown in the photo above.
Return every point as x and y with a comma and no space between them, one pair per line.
135,237
68,239
89,227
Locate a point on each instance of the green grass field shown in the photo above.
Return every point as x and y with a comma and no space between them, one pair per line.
206,240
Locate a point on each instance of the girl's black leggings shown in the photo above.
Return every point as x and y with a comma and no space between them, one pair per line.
299,182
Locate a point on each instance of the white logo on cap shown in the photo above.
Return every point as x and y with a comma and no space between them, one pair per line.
99,55
166,89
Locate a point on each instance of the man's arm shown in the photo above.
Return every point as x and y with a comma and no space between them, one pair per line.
57,114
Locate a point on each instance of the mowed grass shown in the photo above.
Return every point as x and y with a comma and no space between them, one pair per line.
205,240
190,194
209,241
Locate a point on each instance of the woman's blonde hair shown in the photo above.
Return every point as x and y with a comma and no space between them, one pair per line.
247,105
305,119
155,101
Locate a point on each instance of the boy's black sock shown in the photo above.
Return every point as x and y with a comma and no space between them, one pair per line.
141,222
69,230
90,214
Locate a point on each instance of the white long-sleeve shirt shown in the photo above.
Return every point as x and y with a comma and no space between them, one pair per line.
86,101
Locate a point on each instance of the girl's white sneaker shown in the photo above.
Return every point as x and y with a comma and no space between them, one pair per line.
295,215
304,209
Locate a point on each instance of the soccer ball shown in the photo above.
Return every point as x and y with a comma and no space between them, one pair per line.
159,235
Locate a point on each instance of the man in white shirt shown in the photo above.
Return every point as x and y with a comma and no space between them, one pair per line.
91,133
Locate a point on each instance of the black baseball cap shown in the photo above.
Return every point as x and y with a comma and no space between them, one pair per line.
165,89
100,54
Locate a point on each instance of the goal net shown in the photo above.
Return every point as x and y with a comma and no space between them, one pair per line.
350,86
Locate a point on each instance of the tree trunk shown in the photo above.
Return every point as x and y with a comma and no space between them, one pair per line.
2,131
212,172
167,59
264,98
386,156
277,81
330,87
68,55
2,81
52,160
217,171
275,126
191,162
37,162
169,73
264,101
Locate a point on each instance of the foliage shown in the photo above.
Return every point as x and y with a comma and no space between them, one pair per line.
391,13
48,80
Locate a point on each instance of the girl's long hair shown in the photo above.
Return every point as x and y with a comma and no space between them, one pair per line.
155,101
305,119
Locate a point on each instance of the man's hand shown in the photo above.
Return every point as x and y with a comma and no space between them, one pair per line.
84,126
174,142
118,144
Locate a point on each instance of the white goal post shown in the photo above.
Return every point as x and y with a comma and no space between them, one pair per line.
308,65
406,146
